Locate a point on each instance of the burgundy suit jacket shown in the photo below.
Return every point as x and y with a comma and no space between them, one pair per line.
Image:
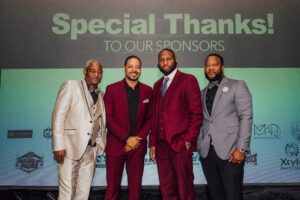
182,115
117,116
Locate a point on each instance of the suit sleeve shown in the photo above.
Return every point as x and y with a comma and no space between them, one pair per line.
194,103
113,127
148,121
243,101
59,114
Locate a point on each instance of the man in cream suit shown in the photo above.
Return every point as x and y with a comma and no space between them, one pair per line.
226,130
78,124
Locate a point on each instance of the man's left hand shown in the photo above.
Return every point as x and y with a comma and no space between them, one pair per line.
187,145
128,148
132,142
237,156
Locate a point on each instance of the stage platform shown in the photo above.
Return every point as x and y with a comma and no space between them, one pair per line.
251,192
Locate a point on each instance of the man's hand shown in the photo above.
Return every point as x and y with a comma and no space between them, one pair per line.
152,153
237,156
133,142
59,156
128,148
187,145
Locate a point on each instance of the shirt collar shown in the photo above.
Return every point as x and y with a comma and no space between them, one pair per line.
171,76
128,87
91,88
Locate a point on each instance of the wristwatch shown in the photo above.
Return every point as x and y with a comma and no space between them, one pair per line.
242,150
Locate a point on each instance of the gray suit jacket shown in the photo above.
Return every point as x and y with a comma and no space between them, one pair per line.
75,117
230,123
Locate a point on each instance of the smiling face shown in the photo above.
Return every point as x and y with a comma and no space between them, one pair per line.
213,68
132,69
93,73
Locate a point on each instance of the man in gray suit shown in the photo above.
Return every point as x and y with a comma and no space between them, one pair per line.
226,130
78,124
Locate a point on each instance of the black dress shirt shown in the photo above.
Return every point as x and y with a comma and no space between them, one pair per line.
210,95
92,92
133,102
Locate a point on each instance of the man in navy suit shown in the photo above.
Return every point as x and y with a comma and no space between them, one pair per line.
128,111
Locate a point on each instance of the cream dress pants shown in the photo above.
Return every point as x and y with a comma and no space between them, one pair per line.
75,176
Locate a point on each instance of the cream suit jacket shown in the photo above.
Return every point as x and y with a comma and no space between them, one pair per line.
74,119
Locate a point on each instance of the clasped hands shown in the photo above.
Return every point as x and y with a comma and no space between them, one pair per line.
132,143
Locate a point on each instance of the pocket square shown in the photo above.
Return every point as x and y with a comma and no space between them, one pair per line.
146,101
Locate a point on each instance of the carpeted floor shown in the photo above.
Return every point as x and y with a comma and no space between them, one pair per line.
249,193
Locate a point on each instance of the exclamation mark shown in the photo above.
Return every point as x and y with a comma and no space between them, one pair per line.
270,23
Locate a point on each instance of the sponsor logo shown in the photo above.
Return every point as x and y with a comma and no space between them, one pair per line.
29,162
291,160
251,159
19,134
264,131
100,161
292,150
295,130
196,158
47,132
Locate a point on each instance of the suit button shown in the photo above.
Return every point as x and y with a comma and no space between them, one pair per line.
91,121
88,133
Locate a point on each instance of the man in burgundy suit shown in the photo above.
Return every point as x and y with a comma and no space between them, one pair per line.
128,112
177,119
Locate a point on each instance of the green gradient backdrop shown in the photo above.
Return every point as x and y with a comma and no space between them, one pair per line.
27,97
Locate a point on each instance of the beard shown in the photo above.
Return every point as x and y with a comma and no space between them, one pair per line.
132,79
166,73
217,77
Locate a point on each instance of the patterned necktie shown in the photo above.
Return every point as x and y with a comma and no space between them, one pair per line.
164,86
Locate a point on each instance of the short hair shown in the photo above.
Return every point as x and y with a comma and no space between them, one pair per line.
91,61
217,55
130,57
167,49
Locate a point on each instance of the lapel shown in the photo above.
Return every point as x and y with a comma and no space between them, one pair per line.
156,96
88,99
141,99
219,94
204,101
123,99
101,112
158,89
172,87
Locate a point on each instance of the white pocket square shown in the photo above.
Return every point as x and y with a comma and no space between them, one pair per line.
146,101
